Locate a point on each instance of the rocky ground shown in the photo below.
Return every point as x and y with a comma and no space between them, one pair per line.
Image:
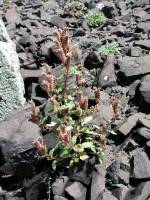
125,171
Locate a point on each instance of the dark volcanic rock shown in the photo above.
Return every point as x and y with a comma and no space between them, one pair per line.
126,127
98,182
145,122
144,26
18,156
106,195
141,166
83,172
76,191
141,192
58,187
136,51
12,16
144,91
145,44
36,188
144,133
58,21
118,173
11,196
107,77
131,67
56,197
92,61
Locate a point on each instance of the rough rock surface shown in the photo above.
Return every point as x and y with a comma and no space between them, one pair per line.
11,82
18,155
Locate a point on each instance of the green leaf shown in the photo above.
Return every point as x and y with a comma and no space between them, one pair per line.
74,139
55,164
112,132
86,120
87,144
95,126
70,98
74,70
64,152
78,148
52,124
44,119
60,77
58,89
84,157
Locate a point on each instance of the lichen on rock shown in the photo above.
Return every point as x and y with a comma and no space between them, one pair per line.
11,82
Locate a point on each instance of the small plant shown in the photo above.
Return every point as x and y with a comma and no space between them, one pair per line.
7,4
108,48
71,121
95,18
75,8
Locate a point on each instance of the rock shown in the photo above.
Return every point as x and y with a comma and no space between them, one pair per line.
145,122
144,92
98,182
118,173
11,82
58,187
36,188
45,49
133,87
27,73
83,172
92,61
144,26
76,191
16,143
145,44
131,67
148,147
126,127
13,195
144,133
136,51
107,195
140,166
106,113
109,9
56,197
12,16
139,3
58,21
120,192
107,77
141,192
79,33
27,40
119,30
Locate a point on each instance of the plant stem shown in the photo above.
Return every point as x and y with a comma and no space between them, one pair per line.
65,86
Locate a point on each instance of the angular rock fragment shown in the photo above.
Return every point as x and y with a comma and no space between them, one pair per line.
141,166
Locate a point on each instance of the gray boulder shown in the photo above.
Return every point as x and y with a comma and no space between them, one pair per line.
140,166
18,154
144,89
11,82
131,67
76,191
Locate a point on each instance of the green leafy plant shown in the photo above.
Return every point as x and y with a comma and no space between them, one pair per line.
95,18
108,48
69,117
